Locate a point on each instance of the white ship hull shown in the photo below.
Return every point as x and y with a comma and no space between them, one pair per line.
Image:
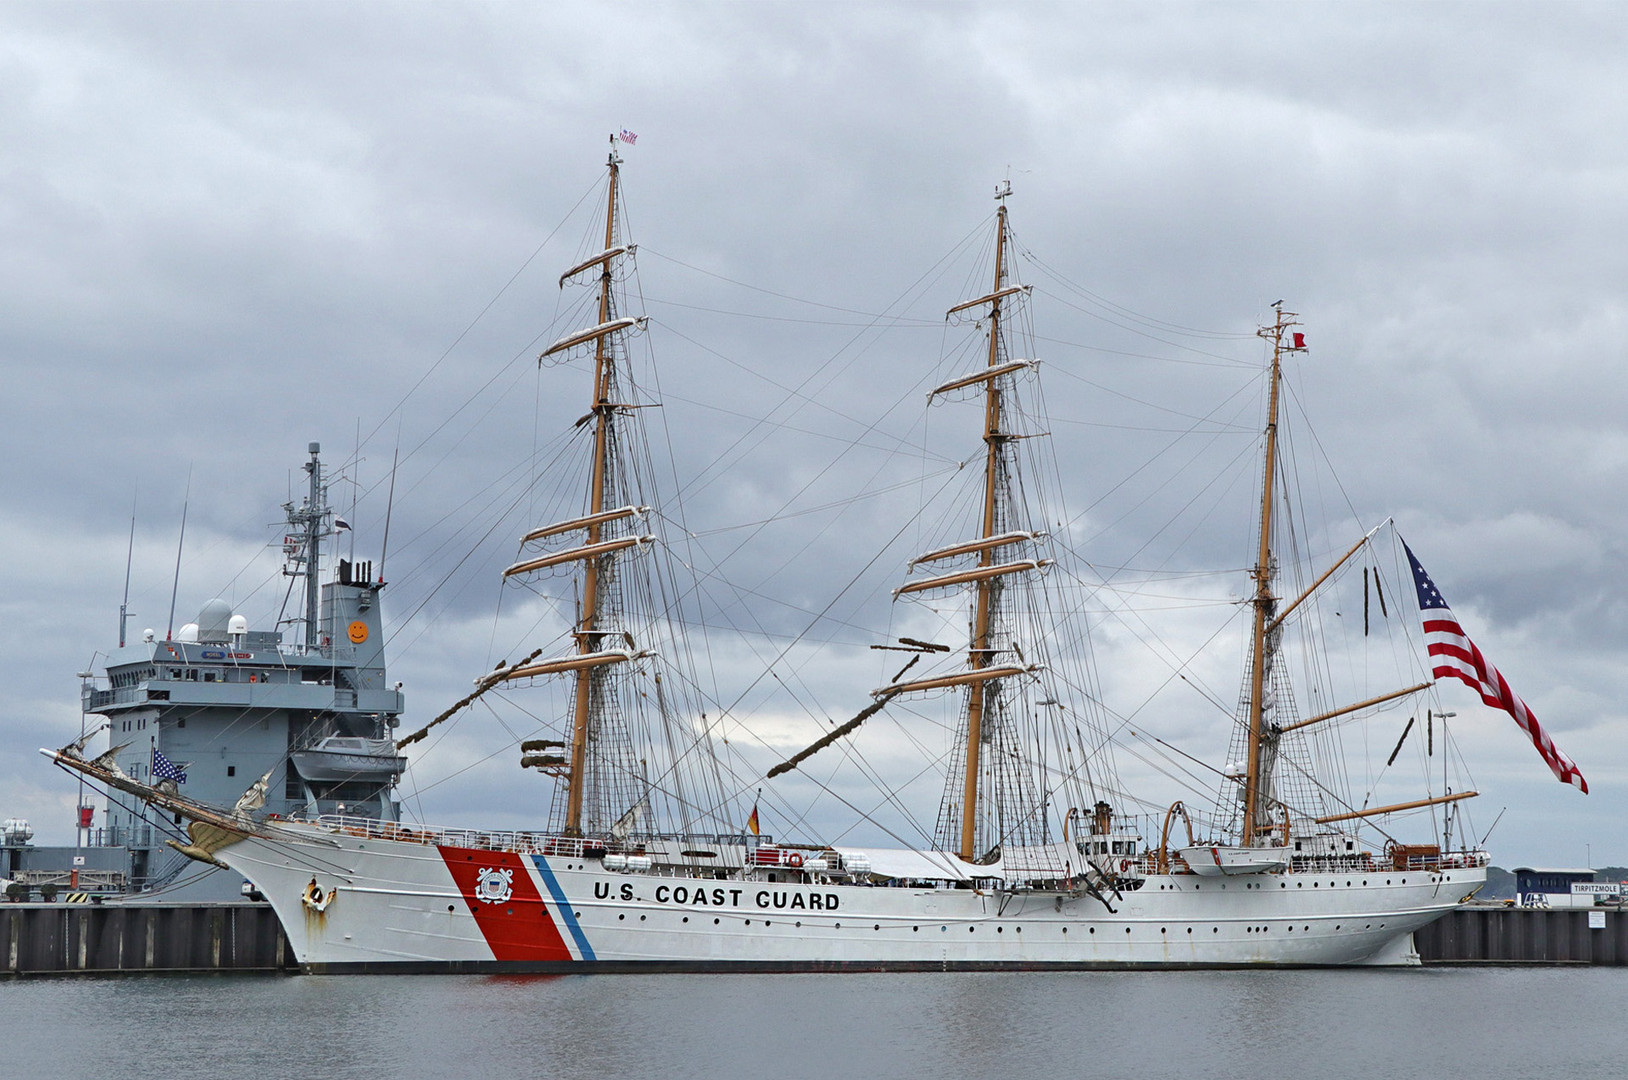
388,905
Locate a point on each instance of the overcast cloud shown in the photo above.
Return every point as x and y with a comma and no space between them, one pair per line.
232,229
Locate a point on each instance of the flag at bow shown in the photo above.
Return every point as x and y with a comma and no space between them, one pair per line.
165,769
1453,653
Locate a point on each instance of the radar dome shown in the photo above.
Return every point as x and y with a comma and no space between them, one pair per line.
189,632
214,620
238,626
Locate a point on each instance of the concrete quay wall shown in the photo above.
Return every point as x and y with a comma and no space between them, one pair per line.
56,939
1512,935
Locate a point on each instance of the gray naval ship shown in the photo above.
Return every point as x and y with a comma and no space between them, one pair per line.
221,708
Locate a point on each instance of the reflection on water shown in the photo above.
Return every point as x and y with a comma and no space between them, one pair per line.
1491,1023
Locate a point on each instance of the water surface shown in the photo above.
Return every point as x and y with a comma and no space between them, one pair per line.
1487,1023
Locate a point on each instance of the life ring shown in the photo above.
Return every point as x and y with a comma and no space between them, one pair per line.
1124,865
795,859
316,898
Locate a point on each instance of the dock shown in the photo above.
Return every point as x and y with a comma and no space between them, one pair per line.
1520,935
177,938
107,938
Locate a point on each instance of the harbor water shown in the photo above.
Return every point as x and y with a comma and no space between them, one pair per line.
1491,1023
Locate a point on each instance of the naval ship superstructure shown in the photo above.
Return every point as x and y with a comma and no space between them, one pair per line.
220,706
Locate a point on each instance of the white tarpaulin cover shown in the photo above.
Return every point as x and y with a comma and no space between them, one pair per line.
930,865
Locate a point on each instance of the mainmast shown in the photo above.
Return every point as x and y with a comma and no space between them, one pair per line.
1263,734
999,547
979,655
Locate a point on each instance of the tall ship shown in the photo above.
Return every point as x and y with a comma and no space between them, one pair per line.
647,859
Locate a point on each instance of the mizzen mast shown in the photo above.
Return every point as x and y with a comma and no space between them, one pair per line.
1263,735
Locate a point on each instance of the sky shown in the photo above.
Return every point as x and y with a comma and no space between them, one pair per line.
230,230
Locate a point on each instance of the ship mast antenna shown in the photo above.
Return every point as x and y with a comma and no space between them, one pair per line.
1262,735
175,585
129,556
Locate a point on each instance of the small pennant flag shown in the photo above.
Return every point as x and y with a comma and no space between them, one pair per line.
628,137
1300,341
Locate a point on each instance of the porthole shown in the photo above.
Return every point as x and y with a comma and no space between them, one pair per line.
878,926
641,918
714,922
451,908
686,918
619,918
1127,929
1093,930
1161,930
1189,929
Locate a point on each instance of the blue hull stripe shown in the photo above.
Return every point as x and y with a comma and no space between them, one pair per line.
585,950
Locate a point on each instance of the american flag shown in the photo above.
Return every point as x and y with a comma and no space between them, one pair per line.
165,769
1453,653
628,137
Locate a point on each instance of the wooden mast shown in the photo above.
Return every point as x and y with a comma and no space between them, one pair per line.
587,635
979,656
1265,603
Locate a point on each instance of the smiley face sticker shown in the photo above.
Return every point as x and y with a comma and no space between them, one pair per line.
358,632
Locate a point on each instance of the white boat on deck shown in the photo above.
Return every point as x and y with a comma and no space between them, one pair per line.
1230,860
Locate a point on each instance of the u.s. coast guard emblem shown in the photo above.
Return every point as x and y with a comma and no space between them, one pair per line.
494,886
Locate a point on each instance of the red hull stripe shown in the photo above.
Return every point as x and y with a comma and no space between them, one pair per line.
508,909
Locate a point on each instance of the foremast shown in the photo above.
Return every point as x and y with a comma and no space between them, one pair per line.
1263,734
604,535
